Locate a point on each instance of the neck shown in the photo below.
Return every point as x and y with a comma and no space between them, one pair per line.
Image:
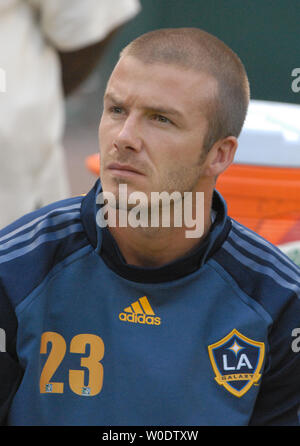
157,246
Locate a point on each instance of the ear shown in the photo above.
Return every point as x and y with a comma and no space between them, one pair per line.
220,156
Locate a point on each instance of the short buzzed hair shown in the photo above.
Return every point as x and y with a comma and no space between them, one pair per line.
193,48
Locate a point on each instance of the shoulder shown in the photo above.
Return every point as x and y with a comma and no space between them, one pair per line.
34,244
260,269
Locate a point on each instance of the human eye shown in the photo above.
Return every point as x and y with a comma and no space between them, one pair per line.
162,119
116,110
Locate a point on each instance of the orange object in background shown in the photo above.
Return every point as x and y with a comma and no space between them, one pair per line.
92,163
265,199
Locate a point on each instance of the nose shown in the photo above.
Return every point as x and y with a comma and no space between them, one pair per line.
129,135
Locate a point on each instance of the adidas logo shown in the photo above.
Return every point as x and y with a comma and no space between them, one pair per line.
140,312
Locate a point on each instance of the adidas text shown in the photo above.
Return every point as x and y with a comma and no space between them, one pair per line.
139,318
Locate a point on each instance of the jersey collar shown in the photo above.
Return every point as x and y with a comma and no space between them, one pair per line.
106,246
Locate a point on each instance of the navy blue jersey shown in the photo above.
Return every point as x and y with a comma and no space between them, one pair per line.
90,340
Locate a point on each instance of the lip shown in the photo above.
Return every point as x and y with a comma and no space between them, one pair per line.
124,168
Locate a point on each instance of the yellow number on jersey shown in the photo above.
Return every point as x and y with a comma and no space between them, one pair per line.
76,377
92,362
54,359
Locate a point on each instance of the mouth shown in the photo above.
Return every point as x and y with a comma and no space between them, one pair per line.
123,169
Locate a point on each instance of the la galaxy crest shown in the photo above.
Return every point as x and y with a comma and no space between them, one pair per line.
237,362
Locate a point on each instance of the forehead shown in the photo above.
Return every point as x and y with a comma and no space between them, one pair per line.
133,79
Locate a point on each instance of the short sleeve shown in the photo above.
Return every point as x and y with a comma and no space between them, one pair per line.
72,24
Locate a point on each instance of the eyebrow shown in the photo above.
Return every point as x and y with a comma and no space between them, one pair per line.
156,109
112,98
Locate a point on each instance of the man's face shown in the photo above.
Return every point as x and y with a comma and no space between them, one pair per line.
154,123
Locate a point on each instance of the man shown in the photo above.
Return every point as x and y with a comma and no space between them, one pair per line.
47,49
108,322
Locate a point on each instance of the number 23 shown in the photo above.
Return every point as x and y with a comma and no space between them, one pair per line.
76,377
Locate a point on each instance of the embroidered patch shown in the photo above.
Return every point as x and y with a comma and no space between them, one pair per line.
237,362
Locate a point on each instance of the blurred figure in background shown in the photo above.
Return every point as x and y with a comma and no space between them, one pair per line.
47,49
